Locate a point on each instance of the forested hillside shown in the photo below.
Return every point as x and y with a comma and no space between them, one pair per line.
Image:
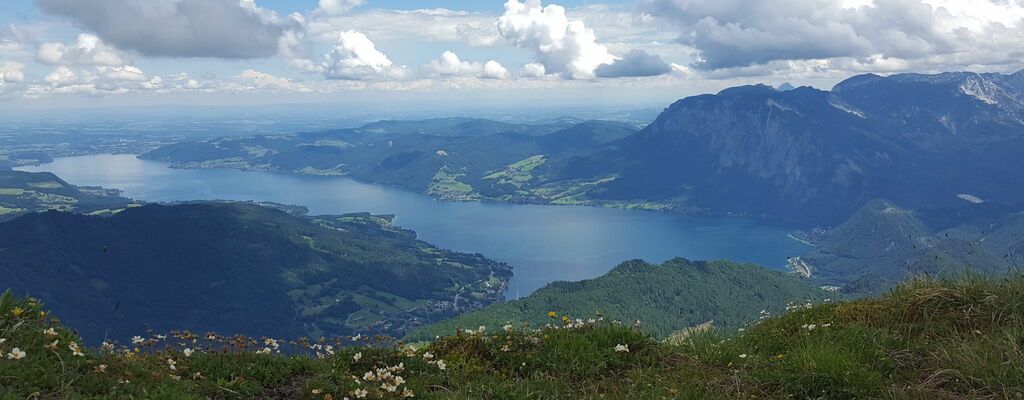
27,192
239,268
665,298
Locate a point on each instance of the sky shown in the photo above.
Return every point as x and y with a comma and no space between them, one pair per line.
88,53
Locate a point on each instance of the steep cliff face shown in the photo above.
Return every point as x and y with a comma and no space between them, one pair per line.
817,156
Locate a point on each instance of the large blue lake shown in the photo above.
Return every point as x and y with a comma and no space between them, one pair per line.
542,243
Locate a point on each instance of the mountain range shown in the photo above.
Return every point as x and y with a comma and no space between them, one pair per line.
806,156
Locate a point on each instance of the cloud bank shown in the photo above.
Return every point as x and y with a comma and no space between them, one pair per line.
633,64
178,28
738,33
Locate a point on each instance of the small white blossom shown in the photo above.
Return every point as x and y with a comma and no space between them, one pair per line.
622,348
16,354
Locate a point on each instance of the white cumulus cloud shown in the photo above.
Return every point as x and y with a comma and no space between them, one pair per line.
450,65
563,46
334,7
87,50
355,57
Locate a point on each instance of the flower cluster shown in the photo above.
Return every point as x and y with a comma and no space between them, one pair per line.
390,383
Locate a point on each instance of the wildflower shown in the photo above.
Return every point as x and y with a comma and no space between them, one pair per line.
172,364
360,393
123,381
17,311
507,328
187,352
826,325
388,387
100,368
266,350
407,393
368,376
505,348
780,356
358,356
42,314
622,348
441,365
399,380
107,345
317,391
744,355
137,339
730,364
75,350
16,354
552,314
428,355
53,345
50,332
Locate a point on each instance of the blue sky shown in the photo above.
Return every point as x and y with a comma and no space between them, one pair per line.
109,52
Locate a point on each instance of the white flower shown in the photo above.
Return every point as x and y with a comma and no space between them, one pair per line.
266,350
358,356
75,350
428,355
360,393
16,354
137,339
368,376
188,352
50,332
441,365
622,348
407,393
507,328
744,355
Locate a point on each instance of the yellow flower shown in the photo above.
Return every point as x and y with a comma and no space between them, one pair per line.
552,314
780,356
17,311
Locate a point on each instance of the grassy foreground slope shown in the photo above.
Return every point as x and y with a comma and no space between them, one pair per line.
924,340
665,297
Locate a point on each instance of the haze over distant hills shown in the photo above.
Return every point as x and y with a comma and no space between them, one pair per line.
803,155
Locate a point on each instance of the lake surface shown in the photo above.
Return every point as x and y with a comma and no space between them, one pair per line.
542,243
